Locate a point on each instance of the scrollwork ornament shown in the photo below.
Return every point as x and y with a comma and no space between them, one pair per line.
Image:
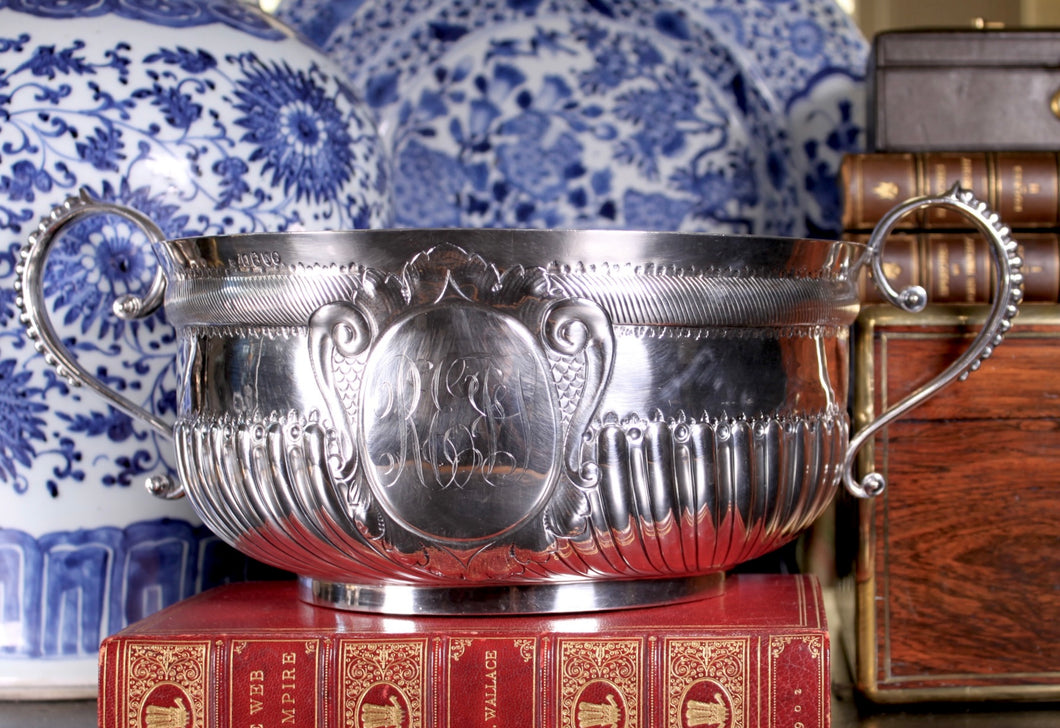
457,648
403,400
386,669
152,665
723,661
778,644
580,331
527,649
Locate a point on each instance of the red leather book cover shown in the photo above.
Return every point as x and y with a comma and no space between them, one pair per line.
251,654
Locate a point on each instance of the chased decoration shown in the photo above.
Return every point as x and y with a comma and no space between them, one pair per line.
397,412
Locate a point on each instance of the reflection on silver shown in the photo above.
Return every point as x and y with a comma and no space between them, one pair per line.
476,420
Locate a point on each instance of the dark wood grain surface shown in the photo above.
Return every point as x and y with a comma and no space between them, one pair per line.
964,547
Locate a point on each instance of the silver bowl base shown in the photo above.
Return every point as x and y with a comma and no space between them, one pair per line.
546,598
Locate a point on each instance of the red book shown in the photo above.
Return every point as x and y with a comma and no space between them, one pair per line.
251,654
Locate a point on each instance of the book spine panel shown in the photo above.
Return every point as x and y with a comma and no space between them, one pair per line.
490,682
958,268
382,682
939,172
872,184
158,684
1040,253
799,681
271,682
711,681
1027,188
600,681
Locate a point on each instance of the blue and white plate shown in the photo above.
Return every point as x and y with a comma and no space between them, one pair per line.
659,114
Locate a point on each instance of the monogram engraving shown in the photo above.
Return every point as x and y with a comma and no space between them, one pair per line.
457,390
444,425
454,421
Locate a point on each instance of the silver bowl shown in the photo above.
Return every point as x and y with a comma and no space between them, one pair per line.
430,421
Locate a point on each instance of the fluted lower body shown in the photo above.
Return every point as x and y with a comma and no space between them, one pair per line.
669,499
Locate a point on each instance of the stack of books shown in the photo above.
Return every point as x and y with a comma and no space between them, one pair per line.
954,589
971,105
937,248
252,654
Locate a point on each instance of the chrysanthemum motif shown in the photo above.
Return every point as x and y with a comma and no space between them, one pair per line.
21,422
102,257
298,128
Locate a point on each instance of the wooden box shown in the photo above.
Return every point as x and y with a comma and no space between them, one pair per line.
964,89
956,586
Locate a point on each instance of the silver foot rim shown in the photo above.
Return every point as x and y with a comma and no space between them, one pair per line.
553,598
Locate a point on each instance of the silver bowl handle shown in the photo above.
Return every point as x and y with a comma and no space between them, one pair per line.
1008,293
35,317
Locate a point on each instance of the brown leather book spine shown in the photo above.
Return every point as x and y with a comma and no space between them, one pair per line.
940,170
936,248
1027,188
901,264
958,267
1022,186
1041,266
872,184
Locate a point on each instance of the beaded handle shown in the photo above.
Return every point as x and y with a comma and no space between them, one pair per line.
1008,293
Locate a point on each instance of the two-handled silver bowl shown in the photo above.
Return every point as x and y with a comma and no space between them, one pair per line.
431,421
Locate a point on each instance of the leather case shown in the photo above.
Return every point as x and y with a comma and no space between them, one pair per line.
946,89
955,595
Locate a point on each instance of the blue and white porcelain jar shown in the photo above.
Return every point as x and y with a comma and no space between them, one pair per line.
211,118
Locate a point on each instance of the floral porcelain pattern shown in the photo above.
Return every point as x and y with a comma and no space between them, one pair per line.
629,133
210,117
667,114
288,148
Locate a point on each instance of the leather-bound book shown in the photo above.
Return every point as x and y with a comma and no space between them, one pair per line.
957,267
903,265
248,655
1023,187
935,248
